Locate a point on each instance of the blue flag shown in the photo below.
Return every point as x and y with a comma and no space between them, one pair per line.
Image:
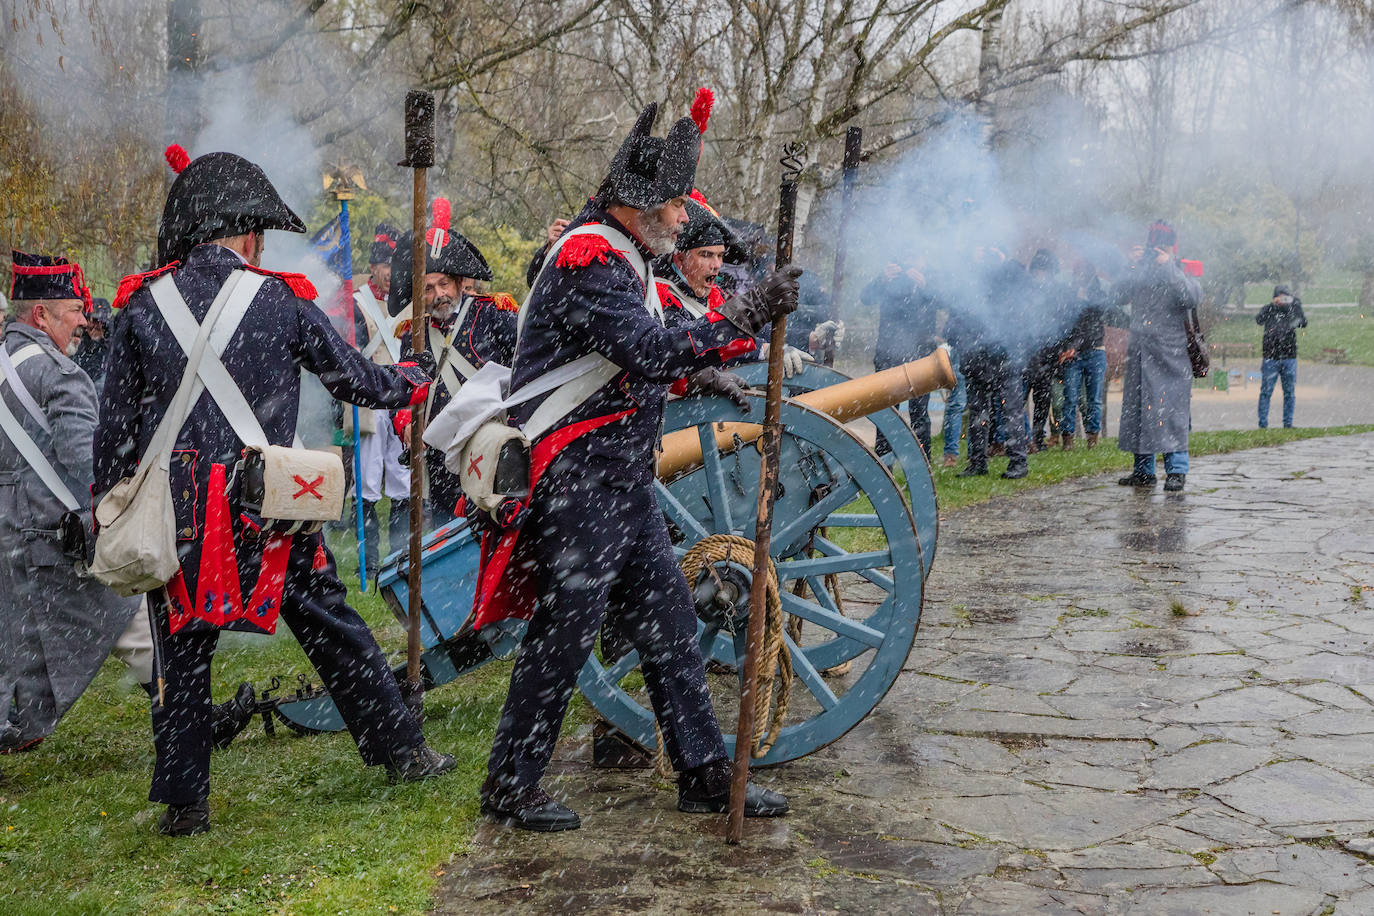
331,244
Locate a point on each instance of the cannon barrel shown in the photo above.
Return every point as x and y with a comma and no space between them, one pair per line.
681,451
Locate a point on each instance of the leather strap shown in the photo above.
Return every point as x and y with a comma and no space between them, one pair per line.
28,449
209,372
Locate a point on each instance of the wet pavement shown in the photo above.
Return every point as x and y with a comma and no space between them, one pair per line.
1118,703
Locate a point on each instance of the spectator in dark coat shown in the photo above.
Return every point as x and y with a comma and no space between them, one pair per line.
1086,367
1281,319
906,331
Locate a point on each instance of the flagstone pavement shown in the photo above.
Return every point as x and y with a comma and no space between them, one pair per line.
1118,703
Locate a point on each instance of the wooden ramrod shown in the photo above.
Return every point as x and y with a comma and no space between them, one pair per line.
681,451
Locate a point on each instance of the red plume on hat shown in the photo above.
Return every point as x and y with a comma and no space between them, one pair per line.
701,108
441,214
177,157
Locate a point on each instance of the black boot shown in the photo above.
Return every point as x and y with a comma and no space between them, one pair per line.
185,820
1138,480
423,762
1174,482
530,809
229,719
706,790
973,470
1016,470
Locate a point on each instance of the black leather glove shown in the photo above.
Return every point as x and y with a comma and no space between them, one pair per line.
427,363
715,381
771,298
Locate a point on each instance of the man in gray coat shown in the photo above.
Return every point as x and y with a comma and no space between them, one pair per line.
1157,393
56,626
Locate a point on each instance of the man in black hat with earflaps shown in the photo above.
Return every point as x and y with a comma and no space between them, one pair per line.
593,541
466,330
238,570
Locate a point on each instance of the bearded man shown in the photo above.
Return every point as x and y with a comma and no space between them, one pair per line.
594,542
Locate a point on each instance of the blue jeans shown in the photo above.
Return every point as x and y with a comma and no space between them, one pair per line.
1174,463
952,427
1285,371
1086,370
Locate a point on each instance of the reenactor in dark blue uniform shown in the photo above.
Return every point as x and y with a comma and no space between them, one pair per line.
465,331
594,541
212,226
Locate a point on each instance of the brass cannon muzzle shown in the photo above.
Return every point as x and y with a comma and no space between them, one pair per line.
681,451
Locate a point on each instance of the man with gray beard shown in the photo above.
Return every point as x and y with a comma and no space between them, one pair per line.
592,544
56,625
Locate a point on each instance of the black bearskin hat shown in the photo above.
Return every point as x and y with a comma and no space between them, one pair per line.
41,276
383,244
216,196
646,171
447,252
705,228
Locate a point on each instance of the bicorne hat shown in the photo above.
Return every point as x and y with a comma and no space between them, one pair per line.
648,170
1162,235
41,276
705,227
216,196
446,252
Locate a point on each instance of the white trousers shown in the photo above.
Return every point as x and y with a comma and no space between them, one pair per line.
383,473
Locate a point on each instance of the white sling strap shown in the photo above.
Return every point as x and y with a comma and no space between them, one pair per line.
241,287
8,364
20,438
576,381
385,335
689,302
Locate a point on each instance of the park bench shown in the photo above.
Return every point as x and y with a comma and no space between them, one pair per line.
1337,355
1227,349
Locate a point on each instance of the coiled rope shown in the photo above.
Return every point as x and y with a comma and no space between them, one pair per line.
773,689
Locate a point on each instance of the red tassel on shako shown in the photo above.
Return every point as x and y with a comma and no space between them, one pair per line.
177,157
701,108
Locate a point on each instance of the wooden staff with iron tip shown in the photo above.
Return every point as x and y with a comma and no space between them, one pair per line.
769,444
853,155
419,156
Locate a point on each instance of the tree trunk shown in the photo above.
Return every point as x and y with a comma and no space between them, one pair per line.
989,67
1367,289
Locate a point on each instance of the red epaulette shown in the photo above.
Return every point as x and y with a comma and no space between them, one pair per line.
715,298
666,297
133,282
505,302
581,250
403,329
299,284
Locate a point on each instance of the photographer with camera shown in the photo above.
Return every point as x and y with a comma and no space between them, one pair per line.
1281,319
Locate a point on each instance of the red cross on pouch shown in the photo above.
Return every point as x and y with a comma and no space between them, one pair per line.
313,487
473,463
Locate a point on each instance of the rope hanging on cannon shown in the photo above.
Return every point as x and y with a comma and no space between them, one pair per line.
774,692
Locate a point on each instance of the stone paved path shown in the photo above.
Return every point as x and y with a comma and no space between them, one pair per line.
1118,703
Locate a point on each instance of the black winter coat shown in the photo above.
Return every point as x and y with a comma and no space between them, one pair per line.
1281,323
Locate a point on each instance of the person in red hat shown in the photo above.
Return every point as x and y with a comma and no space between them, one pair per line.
1156,395
238,570
56,626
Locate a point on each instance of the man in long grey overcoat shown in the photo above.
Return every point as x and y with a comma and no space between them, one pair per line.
1157,392
56,627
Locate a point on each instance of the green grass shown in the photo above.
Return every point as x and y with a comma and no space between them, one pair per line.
299,825
1326,286
1347,328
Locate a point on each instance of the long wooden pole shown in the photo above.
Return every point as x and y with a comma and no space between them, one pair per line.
853,155
763,531
419,156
